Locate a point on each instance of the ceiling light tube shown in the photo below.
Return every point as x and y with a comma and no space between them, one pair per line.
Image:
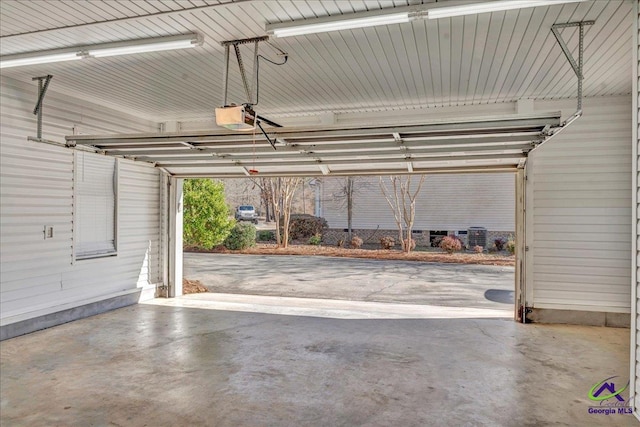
400,15
491,6
102,50
345,22
142,46
44,58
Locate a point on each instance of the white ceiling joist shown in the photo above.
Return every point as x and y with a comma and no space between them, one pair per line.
499,143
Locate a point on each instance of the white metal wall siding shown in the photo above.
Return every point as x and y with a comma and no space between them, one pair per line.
446,202
581,210
634,374
36,185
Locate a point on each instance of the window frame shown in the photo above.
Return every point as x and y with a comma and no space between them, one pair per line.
116,199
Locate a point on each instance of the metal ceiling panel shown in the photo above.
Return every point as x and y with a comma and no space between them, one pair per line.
472,60
439,145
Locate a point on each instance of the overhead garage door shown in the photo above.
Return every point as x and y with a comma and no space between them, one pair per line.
483,144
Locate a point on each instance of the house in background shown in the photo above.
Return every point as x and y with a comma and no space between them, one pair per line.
446,205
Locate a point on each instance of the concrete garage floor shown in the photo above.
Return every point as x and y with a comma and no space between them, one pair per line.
451,285
155,365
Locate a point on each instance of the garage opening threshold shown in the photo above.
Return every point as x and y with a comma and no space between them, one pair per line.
327,308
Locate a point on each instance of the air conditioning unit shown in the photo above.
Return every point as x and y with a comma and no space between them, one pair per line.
236,117
477,236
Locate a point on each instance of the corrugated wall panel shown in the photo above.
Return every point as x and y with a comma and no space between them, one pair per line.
581,210
39,275
445,202
634,376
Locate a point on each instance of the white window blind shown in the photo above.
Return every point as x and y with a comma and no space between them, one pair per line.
95,221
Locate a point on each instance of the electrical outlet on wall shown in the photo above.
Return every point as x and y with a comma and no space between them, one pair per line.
48,232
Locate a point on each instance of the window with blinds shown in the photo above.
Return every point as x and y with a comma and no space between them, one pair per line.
95,205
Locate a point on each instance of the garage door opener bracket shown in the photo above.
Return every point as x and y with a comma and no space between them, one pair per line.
577,67
252,90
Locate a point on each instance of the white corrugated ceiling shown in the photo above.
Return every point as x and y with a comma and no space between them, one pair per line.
488,58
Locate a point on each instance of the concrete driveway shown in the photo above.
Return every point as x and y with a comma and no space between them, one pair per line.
404,282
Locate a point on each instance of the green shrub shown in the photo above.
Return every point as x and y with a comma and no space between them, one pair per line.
499,244
356,242
510,246
303,226
242,236
315,240
387,242
206,218
450,244
265,236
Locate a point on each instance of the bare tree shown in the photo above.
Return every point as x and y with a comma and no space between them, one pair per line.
346,191
349,194
281,191
402,201
265,196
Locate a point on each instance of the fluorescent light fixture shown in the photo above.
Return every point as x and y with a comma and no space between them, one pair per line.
347,24
18,61
344,22
102,50
400,15
491,6
142,46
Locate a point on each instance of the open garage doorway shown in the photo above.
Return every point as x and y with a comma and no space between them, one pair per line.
477,210
498,144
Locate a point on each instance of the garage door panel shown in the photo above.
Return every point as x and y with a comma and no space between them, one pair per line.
547,263
583,279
